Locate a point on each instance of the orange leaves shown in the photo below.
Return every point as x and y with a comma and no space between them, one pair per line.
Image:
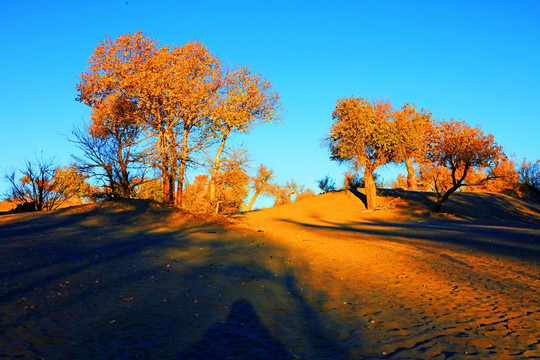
455,145
361,132
460,149
179,96
373,133
244,98
111,68
411,126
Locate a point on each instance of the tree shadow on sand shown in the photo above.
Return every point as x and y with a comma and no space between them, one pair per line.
515,241
108,282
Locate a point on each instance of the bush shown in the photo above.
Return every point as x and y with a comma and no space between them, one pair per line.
529,175
327,184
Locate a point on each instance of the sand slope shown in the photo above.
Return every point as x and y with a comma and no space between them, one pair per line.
321,278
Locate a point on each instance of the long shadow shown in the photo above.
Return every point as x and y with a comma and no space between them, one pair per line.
478,206
494,208
125,296
91,246
517,242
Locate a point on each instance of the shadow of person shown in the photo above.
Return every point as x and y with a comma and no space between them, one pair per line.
242,336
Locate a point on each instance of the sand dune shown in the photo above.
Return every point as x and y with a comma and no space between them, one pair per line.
322,278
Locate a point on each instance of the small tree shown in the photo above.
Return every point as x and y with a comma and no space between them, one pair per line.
72,182
460,149
231,183
261,183
149,189
285,193
362,134
304,194
195,194
327,184
43,186
529,175
110,155
354,181
399,183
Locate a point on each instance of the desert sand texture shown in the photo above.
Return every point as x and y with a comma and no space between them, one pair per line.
319,279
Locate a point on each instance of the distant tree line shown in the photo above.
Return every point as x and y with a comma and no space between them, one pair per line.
449,155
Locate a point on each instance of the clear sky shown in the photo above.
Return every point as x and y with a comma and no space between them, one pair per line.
473,60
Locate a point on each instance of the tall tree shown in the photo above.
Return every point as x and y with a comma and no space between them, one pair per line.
166,90
362,135
459,148
411,126
177,86
179,96
110,88
245,100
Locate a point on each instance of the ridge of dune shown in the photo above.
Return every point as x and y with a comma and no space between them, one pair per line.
400,205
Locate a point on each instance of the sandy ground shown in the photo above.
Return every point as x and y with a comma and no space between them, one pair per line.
321,279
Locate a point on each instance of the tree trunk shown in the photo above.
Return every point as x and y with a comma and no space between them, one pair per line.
252,200
182,170
444,197
371,190
165,177
171,185
215,169
457,184
411,180
125,186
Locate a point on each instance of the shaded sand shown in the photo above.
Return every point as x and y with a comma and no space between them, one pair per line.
318,279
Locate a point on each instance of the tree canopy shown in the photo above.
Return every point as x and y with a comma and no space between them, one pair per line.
362,134
456,146
180,97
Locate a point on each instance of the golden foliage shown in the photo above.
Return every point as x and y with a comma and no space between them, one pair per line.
411,126
363,135
231,184
149,189
361,132
400,183
180,96
243,99
46,187
460,149
284,194
305,194
195,198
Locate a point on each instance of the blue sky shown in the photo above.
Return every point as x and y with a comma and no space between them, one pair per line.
473,60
